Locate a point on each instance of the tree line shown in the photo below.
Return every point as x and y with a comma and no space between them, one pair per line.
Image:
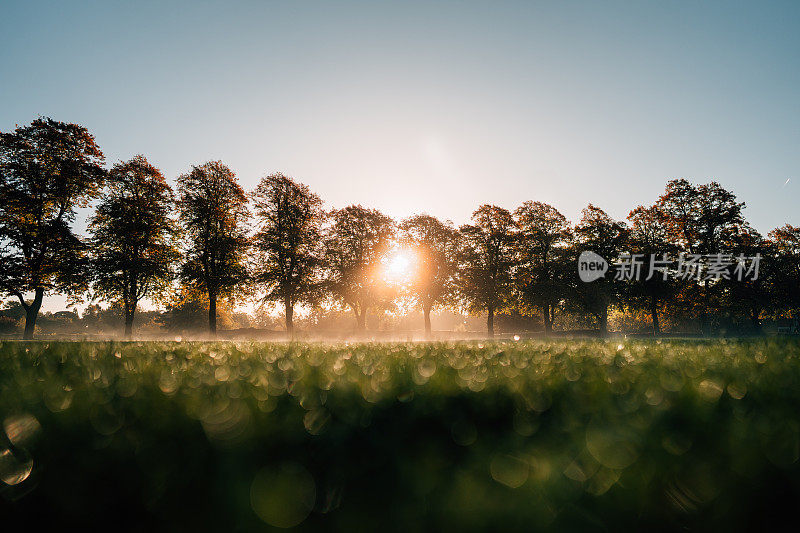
210,236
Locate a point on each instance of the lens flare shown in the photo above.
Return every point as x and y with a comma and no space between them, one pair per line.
398,266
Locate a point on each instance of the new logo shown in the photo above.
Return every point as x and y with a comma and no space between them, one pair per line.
591,266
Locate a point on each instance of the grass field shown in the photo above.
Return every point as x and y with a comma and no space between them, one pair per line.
563,435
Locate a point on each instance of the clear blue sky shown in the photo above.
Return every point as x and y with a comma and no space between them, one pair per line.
412,107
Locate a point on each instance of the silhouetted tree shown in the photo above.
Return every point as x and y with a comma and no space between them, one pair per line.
354,244
486,260
750,295
435,246
702,219
213,210
133,237
650,239
599,233
543,259
287,244
47,170
785,243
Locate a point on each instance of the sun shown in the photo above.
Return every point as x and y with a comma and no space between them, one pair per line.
399,265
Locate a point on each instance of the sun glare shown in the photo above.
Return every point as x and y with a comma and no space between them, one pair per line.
399,265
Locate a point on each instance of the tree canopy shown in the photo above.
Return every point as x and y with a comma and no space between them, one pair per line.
48,169
287,243
599,233
355,242
543,241
213,211
434,245
486,260
520,266
133,237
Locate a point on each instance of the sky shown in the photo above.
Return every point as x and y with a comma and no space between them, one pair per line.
433,107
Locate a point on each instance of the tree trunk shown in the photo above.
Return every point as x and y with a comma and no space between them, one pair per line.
654,315
289,309
602,319
212,313
427,312
548,321
130,310
361,320
31,312
705,328
130,306
490,322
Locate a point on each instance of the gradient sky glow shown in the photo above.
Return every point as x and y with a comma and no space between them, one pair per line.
412,107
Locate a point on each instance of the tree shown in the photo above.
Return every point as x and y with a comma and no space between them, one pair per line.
435,246
354,244
133,237
752,295
599,233
47,170
650,238
785,242
213,210
287,243
702,219
543,241
486,260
